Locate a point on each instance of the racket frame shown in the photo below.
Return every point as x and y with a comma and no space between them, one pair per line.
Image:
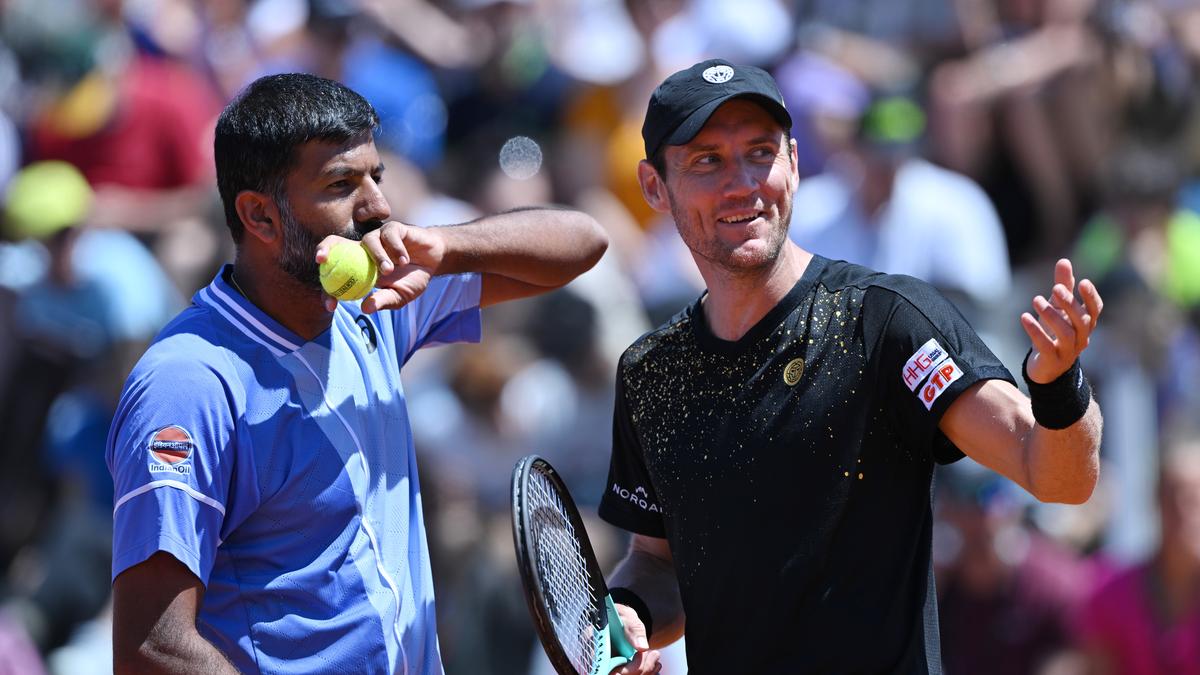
613,649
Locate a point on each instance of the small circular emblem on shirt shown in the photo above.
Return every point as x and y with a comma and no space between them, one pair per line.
718,74
793,371
171,445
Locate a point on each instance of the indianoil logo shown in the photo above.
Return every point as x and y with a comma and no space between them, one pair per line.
170,449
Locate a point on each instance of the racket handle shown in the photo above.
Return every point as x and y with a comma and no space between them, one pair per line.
616,632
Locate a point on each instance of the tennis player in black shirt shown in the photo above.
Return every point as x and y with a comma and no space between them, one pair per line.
774,443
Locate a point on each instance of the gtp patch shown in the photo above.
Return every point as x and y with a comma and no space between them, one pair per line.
170,449
923,362
943,376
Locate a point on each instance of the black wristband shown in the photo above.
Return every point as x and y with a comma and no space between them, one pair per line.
1061,403
624,596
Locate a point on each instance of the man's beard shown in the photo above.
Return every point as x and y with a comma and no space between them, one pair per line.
298,258
728,258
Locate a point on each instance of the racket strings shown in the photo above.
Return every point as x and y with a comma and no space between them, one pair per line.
566,583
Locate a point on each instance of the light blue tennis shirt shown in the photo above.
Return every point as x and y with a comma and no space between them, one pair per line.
282,473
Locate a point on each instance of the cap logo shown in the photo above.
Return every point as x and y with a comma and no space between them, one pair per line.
718,74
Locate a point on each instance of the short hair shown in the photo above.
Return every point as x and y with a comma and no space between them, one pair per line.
259,132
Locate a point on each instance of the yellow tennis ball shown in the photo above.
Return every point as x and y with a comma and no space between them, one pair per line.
349,271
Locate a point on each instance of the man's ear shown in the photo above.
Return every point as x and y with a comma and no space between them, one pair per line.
259,215
794,155
654,187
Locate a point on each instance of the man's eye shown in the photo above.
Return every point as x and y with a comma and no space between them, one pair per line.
338,185
707,159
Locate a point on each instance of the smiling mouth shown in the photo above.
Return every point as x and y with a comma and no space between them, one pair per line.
740,218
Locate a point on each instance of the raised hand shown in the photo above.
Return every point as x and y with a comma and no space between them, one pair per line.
1063,327
407,257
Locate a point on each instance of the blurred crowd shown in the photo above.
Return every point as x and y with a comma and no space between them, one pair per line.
966,142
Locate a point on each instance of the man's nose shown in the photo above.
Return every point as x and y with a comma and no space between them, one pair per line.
373,205
741,178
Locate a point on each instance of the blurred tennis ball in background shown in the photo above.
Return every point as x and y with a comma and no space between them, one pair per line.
520,158
349,271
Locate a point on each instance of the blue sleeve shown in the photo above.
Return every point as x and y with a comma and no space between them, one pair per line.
448,311
173,456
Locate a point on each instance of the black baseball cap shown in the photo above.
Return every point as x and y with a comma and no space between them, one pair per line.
681,105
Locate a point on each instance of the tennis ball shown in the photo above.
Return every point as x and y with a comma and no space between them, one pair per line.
348,272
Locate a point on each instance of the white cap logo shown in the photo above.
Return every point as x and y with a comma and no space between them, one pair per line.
718,74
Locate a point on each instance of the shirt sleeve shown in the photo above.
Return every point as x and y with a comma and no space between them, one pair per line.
629,500
173,458
926,355
447,312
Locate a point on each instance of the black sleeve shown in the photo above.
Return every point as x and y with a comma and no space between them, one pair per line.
926,355
629,500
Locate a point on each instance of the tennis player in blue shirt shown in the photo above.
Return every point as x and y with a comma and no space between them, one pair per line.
268,513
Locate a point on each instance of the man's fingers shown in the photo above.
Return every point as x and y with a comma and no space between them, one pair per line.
1054,321
635,630
1064,273
1042,343
1091,299
393,236
378,251
1081,321
396,293
326,244
643,663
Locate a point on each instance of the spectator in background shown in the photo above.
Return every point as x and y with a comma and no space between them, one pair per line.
138,126
1006,592
1145,620
1025,112
91,300
827,101
98,297
1143,250
344,41
1143,238
882,206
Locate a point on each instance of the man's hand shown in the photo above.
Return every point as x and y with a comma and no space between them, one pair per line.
646,661
407,257
1066,325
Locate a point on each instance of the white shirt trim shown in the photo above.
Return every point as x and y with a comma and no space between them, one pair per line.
187,489
237,324
216,290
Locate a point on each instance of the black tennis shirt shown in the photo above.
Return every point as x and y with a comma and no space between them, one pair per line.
791,471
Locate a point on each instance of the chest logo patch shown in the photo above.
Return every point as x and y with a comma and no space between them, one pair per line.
170,449
793,371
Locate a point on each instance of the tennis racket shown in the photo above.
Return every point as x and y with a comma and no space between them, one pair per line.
572,611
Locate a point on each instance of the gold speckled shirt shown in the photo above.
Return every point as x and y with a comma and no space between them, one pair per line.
791,470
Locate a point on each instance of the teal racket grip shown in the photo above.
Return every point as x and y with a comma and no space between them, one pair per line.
616,642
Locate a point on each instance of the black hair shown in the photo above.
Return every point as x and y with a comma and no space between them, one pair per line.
659,160
259,133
